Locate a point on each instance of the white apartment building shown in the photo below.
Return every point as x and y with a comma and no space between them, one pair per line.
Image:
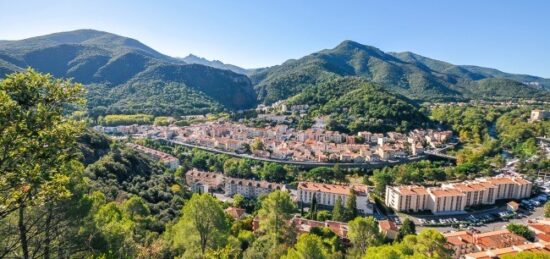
326,194
455,197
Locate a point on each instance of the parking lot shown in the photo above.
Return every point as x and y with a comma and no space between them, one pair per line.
487,219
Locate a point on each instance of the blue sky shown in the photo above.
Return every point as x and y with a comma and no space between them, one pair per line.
513,36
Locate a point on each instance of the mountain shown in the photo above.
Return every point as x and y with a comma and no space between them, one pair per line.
408,74
124,75
192,59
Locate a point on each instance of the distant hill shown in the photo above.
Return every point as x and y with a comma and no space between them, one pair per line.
127,76
409,74
355,104
192,59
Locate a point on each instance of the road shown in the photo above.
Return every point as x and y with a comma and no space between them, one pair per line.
304,164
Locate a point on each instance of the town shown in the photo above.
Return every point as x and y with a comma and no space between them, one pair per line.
283,143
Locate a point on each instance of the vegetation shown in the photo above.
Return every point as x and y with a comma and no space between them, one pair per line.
357,105
521,230
126,77
117,120
409,74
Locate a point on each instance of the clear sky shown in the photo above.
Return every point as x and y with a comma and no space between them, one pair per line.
513,36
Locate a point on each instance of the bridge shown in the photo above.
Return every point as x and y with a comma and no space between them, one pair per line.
440,155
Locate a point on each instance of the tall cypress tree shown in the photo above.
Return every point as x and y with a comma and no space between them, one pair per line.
337,213
313,209
351,206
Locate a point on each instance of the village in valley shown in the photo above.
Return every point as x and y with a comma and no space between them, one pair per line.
464,210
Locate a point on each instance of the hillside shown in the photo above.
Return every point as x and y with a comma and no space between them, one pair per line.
121,70
354,104
409,74
192,59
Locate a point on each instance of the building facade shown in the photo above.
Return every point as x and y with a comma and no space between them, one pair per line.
250,188
327,194
455,197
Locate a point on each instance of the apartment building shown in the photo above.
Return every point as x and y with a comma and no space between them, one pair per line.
249,188
204,182
455,197
326,194
164,158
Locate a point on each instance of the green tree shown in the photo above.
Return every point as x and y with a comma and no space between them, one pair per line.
407,228
338,210
428,242
275,211
351,206
308,246
547,209
202,226
381,179
521,230
37,145
273,172
527,255
363,232
257,144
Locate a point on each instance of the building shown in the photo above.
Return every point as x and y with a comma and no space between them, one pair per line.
453,198
466,243
204,182
249,188
305,225
388,229
236,213
407,198
166,159
512,250
326,194
541,229
539,115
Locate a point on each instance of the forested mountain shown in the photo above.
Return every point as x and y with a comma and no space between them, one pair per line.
128,76
414,76
192,59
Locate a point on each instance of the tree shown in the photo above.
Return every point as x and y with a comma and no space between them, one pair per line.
429,242
276,210
547,209
521,230
337,210
238,200
338,173
273,172
320,174
203,225
381,179
527,255
313,208
37,145
257,144
407,228
351,206
363,232
308,246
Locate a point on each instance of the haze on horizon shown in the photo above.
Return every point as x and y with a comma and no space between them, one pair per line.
510,36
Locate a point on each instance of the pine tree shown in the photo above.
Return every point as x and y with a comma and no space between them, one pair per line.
337,213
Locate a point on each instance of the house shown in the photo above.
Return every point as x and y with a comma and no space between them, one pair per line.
512,206
250,188
236,213
388,229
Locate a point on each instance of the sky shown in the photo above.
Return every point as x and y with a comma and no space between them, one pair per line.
513,36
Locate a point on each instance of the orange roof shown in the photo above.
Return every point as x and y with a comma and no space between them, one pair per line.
333,188
445,192
544,228
459,238
387,225
498,239
235,213
412,190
